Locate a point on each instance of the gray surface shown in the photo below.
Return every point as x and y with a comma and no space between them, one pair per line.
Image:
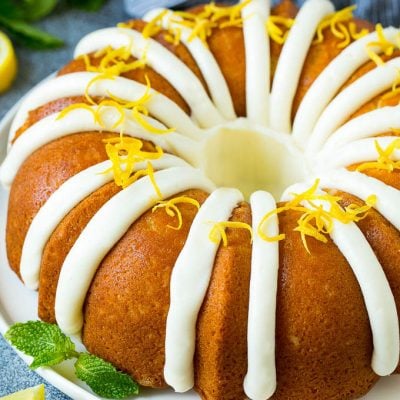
35,66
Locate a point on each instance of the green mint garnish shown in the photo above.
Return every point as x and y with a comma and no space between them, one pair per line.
44,342
103,378
48,346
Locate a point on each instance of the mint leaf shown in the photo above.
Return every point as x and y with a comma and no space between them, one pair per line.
36,9
30,36
44,342
9,9
86,5
103,378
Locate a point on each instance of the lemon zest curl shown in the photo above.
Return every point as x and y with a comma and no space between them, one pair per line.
172,209
385,158
315,221
218,233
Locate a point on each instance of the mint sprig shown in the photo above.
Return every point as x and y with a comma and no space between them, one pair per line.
44,342
103,378
48,346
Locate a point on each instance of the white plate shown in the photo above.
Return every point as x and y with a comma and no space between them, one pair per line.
18,304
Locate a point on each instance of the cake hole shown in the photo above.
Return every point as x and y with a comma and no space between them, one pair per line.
252,159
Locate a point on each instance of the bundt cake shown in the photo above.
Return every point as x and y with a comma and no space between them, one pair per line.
143,203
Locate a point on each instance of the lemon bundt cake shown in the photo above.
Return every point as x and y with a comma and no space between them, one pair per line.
143,203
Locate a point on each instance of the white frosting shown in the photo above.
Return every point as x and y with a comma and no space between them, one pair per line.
78,120
366,125
256,40
189,283
206,62
354,153
378,297
330,80
260,381
104,230
292,59
362,186
61,202
350,100
75,84
162,61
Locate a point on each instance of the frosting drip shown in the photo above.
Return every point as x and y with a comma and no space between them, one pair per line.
103,232
189,283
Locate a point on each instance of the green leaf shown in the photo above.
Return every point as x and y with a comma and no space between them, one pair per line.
86,5
30,36
36,9
9,9
103,378
44,342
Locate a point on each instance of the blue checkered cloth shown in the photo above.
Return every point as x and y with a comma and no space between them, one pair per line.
385,11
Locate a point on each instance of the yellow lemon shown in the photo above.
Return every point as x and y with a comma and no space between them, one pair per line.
34,393
8,62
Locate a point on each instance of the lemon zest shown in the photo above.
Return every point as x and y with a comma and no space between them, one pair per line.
128,24
383,44
336,22
103,76
315,221
124,153
274,26
384,160
153,27
218,233
172,209
395,91
115,105
129,104
201,24
114,61
140,113
76,106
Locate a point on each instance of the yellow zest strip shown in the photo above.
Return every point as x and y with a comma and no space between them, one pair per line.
315,221
395,91
113,104
383,44
76,106
124,153
276,33
201,25
139,113
128,25
103,76
384,161
337,24
154,26
114,61
129,104
172,209
218,233
137,107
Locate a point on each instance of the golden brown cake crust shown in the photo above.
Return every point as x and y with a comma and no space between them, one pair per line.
61,242
127,304
323,336
221,346
40,175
